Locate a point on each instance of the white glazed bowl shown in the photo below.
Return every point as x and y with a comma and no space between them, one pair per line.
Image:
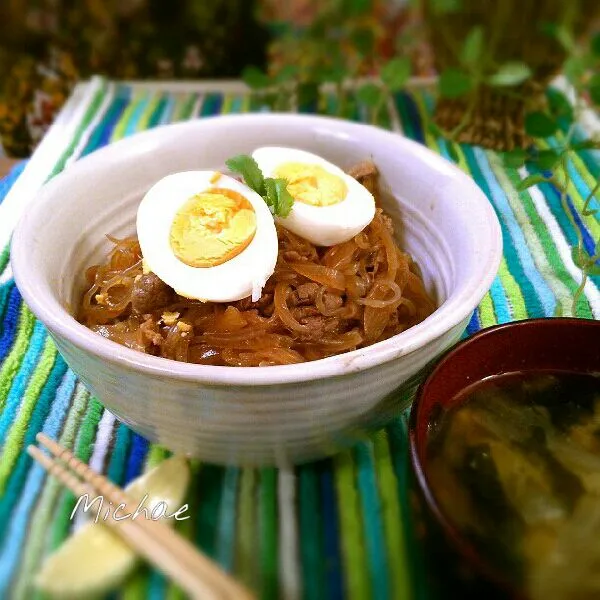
260,415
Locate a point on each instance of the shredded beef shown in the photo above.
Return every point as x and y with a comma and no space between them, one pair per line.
301,312
332,301
293,256
319,326
305,293
366,173
149,294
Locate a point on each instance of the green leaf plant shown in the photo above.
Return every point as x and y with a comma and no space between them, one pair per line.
475,67
337,50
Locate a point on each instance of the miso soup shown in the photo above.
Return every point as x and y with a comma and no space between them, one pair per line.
515,465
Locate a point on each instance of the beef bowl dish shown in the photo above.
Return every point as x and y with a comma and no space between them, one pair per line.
256,289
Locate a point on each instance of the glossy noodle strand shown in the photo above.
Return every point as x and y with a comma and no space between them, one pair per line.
319,302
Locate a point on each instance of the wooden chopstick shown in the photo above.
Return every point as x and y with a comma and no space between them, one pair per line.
159,544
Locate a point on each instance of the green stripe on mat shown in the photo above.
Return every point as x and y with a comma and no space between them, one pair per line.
536,236
175,593
417,574
268,533
136,587
89,116
592,223
247,553
186,529
351,528
186,109
42,515
11,363
589,178
371,511
14,439
4,258
83,451
515,297
156,455
554,260
392,519
511,287
152,114
206,506
122,124
143,119
310,543
118,458
513,292
5,291
487,314
226,539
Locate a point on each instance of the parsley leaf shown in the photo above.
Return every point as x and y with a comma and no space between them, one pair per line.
278,199
246,166
273,191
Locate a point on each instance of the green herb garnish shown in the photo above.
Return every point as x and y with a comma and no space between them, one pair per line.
273,191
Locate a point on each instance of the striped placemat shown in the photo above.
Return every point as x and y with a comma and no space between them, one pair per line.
341,527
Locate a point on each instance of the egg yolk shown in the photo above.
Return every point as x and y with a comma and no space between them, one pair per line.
312,184
212,227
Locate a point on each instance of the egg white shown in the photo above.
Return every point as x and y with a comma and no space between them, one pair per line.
321,225
242,276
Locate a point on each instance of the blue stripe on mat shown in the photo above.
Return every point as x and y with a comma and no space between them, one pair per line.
7,182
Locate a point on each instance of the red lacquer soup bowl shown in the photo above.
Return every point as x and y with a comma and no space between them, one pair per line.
555,344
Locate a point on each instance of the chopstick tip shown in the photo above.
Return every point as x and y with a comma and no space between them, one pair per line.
33,451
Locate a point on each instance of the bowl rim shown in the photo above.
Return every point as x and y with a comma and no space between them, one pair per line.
465,549
455,309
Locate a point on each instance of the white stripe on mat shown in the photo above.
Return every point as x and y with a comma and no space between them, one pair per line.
197,107
6,275
96,462
45,157
87,133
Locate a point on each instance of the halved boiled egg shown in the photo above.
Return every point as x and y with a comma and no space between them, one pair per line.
207,236
330,206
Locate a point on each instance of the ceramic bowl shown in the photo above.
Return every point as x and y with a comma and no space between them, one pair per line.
265,415
530,345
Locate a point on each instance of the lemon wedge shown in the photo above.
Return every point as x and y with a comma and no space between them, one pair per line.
95,560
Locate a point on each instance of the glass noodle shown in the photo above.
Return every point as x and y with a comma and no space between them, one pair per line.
319,302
